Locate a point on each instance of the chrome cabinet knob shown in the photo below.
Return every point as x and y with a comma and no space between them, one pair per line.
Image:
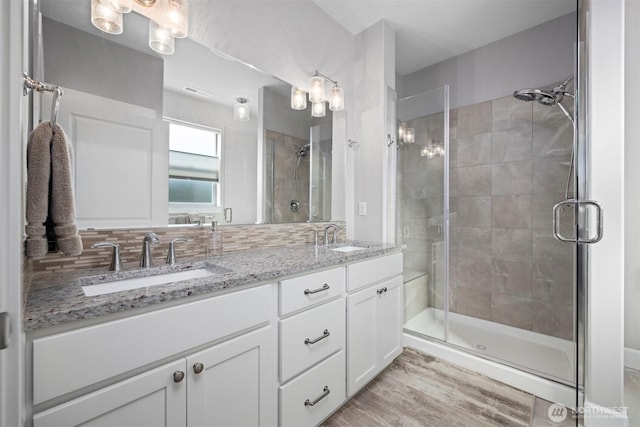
198,367
178,376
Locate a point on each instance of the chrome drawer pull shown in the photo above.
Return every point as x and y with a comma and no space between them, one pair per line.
325,393
324,287
325,334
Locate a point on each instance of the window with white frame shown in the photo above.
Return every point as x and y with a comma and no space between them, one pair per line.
194,166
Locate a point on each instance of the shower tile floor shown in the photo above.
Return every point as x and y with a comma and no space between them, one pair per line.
550,356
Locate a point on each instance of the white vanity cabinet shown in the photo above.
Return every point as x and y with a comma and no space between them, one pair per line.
374,318
312,347
231,382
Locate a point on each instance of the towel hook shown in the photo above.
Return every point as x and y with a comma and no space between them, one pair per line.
55,105
30,84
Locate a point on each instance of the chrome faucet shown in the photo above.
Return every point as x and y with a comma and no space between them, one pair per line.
116,260
335,235
171,255
315,237
145,258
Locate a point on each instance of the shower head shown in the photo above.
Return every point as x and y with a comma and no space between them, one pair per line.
542,96
302,151
548,98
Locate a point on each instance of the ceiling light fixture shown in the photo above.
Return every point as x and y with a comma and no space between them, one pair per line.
241,110
168,19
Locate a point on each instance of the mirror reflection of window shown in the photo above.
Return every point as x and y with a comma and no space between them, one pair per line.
194,166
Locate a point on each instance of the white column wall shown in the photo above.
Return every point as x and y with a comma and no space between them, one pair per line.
632,186
604,370
12,53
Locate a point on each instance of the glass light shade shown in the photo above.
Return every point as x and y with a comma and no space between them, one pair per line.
402,131
316,93
439,150
120,6
410,136
424,151
298,99
160,39
241,110
318,109
176,18
336,100
105,19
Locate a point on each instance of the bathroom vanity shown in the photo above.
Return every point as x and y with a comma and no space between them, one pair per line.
276,337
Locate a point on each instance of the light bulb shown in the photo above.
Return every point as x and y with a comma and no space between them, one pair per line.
316,93
241,110
410,136
120,6
336,102
402,131
176,18
105,19
298,99
160,39
318,109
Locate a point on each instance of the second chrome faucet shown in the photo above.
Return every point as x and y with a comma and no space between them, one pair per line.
145,256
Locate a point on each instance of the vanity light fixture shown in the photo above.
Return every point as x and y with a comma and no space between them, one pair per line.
298,98
168,19
241,110
317,92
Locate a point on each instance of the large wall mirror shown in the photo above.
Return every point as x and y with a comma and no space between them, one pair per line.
155,137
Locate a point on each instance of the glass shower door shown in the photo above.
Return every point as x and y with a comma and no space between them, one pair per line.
422,206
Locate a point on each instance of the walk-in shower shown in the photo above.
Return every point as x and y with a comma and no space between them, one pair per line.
483,271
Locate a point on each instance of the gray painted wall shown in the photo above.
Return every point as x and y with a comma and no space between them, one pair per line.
82,61
535,57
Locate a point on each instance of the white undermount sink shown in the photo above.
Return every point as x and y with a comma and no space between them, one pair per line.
144,282
348,249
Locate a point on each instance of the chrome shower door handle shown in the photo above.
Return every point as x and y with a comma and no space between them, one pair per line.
557,210
577,204
599,224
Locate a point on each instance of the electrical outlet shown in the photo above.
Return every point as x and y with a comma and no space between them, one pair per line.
362,208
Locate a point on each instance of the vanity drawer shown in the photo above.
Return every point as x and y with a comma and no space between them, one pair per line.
326,379
305,291
361,274
326,325
72,360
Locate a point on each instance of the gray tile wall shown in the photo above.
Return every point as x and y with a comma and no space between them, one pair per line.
508,167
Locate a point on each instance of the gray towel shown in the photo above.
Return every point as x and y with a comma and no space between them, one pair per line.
38,173
63,205
50,190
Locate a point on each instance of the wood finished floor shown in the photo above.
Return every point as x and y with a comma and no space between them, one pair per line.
421,390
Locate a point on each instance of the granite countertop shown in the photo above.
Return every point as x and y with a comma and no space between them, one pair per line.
56,299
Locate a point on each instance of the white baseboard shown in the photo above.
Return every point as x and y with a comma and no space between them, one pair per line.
632,358
600,416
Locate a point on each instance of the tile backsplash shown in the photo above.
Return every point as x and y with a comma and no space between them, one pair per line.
236,238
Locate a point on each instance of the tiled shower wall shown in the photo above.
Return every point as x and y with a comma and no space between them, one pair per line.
285,189
509,162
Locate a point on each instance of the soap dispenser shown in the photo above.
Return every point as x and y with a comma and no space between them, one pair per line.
215,240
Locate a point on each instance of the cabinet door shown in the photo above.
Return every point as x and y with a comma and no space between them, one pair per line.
390,306
362,338
152,399
236,384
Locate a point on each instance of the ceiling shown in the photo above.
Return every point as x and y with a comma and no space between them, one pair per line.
427,32
431,31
